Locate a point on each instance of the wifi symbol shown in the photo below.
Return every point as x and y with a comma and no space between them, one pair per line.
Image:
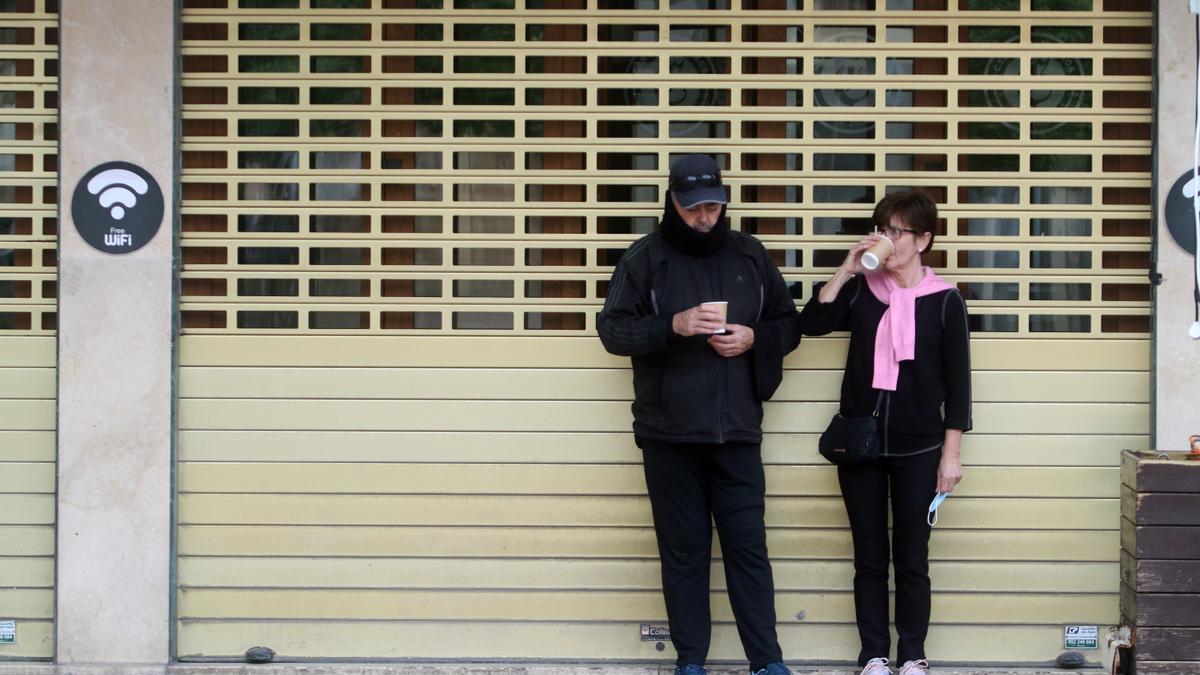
118,190
117,207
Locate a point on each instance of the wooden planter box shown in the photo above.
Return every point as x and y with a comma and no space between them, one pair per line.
1160,561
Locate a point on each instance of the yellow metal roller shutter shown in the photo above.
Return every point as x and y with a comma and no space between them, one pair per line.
28,236
399,435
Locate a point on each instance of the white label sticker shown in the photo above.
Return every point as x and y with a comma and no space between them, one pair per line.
8,632
1081,637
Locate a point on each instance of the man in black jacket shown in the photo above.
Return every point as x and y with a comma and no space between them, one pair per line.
699,383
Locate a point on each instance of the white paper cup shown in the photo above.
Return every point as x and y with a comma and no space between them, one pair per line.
873,257
722,307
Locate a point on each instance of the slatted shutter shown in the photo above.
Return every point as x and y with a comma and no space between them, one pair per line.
399,435
28,281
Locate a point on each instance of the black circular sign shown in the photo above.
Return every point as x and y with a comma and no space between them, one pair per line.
1180,213
117,207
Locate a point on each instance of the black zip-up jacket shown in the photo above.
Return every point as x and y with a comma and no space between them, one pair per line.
684,391
911,418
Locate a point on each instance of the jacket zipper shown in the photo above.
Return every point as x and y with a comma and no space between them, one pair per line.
721,402
887,416
721,378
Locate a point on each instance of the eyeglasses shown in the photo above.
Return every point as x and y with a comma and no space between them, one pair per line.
685,183
894,233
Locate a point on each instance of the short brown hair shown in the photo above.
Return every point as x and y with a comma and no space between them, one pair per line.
916,209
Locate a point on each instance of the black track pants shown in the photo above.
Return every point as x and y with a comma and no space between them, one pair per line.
691,486
911,483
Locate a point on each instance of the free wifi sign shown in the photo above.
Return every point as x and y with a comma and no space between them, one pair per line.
117,207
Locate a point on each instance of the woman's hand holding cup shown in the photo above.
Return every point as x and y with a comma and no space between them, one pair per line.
854,262
873,257
852,265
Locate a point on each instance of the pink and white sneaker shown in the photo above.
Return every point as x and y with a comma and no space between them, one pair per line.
877,666
918,667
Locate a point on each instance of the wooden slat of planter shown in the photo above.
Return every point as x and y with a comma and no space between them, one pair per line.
1160,508
1144,474
1168,644
1168,667
1160,609
1169,542
1160,576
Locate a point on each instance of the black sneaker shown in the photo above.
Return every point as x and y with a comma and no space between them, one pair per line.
690,669
776,668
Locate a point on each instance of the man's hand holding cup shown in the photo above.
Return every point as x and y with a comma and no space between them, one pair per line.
703,319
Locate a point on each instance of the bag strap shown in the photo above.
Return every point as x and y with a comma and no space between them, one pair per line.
878,404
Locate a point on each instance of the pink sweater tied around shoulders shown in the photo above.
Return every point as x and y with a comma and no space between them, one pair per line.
896,338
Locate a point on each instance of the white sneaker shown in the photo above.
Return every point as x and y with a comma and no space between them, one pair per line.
876,667
918,667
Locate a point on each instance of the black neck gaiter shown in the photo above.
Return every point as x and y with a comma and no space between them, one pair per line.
686,240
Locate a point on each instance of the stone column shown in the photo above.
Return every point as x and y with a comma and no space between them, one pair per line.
115,345
1176,352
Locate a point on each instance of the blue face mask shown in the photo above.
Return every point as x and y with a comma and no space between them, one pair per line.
933,507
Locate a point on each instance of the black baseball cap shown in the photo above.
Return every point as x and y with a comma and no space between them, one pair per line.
696,179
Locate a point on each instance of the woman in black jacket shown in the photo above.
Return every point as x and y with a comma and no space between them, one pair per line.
909,364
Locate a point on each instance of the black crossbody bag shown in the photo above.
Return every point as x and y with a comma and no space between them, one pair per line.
852,440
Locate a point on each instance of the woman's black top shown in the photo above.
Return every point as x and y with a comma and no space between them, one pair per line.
933,391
